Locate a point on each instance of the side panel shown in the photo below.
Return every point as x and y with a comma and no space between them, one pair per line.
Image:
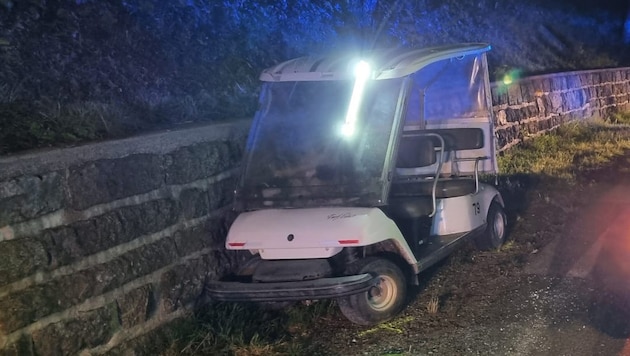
465,213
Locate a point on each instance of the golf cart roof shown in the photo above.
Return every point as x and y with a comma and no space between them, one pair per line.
386,64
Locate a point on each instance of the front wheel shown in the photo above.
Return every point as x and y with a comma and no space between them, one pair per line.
381,302
494,235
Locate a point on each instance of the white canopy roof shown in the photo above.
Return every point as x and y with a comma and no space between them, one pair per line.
386,64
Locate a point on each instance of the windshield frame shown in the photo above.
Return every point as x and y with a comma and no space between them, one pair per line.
373,193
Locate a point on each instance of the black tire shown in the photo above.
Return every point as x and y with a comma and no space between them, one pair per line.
494,235
383,301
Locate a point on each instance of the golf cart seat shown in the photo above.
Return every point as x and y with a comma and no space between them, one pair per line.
412,199
411,192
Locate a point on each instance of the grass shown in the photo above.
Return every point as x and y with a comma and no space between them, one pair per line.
433,305
246,329
622,118
395,326
572,148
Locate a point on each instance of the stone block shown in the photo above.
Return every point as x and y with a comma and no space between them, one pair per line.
531,110
503,95
564,82
183,284
592,79
136,306
495,95
108,180
192,240
22,308
21,258
147,218
203,160
540,107
222,193
546,83
556,83
511,115
194,203
27,197
210,234
69,337
514,94
583,77
556,102
526,91
500,118
63,245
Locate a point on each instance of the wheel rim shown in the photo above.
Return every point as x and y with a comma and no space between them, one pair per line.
499,226
383,294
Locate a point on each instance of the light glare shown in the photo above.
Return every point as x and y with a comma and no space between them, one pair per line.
362,72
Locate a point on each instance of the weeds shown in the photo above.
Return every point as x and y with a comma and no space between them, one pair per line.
620,118
245,329
432,305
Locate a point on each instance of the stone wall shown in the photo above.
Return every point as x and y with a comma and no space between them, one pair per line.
103,243
534,105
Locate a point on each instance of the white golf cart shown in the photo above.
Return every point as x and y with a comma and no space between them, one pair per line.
360,173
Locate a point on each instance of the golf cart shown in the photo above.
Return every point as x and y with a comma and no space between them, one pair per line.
360,173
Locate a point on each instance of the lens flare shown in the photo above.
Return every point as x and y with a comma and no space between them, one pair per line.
362,71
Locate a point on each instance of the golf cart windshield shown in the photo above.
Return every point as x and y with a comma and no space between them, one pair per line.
319,143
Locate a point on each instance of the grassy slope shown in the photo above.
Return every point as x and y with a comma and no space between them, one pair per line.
95,70
534,36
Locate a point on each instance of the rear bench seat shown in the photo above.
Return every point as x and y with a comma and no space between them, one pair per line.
410,196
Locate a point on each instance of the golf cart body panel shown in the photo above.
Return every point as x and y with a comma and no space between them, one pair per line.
361,172
280,234
463,214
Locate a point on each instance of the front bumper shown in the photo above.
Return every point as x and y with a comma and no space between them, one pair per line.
323,288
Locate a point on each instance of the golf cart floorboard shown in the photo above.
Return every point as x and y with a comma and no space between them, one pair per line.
439,247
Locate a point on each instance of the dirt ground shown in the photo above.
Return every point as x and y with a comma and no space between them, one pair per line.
561,286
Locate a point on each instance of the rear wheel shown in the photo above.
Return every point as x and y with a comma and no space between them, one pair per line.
381,302
494,235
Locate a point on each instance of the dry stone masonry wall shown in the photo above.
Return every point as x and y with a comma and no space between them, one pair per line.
103,243
535,105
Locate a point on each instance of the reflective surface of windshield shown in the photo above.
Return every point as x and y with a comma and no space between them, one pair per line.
298,156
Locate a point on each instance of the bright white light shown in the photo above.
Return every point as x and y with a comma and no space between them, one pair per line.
363,72
347,129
